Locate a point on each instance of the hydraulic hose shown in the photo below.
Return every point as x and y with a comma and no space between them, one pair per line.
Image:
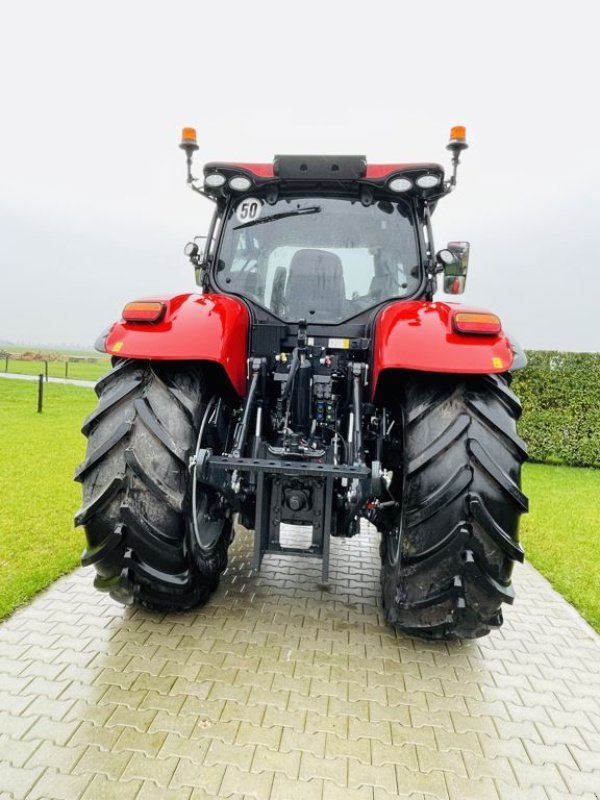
292,374
209,407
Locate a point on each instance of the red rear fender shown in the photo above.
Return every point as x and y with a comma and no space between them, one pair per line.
194,327
417,335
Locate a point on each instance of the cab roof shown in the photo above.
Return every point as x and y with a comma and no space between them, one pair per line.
323,169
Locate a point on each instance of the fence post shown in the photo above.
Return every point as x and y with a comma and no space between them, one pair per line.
6,366
66,368
40,393
46,363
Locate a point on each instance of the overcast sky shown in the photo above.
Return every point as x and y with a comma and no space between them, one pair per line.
94,210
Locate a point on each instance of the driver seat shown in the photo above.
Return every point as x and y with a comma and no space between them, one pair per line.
315,283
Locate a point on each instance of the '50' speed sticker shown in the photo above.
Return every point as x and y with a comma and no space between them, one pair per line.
248,210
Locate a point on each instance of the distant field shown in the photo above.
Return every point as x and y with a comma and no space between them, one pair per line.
56,369
35,349
38,498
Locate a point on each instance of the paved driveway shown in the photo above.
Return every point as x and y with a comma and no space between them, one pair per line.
283,688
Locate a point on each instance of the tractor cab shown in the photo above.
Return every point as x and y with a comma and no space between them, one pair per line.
321,238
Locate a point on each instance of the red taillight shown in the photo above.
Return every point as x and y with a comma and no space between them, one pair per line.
143,312
470,322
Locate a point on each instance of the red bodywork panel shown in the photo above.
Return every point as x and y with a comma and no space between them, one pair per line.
208,327
260,170
374,171
418,335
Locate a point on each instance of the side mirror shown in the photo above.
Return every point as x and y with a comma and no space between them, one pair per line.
195,251
455,262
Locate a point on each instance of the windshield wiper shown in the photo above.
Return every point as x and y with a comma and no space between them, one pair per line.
282,215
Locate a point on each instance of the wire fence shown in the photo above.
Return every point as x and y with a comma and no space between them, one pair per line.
61,365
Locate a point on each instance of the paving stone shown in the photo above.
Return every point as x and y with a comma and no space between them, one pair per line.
332,791
548,775
88,733
331,768
199,775
253,784
95,761
579,782
359,749
498,769
139,719
510,748
150,791
450,704
130,739
265,759
58,786
507,792
463,723
304,742
193,749
18,781
431,784
463,789
449,762
159,770
16,752
56,732
172,723
554,794
15,704
102,788
382,775
239,756
51,756
321,723
267,736
405,756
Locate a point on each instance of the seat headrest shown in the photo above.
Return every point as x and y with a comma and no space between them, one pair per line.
308,262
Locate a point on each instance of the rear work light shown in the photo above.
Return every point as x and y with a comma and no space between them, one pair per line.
428,181
469,322
143,312
239,183
400,185
214,180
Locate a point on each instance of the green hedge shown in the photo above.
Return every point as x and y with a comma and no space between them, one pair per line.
560,393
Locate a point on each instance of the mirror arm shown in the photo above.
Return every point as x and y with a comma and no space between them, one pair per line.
430,266
431,246
193,184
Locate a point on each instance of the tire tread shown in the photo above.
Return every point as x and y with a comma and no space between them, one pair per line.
460,491
136,487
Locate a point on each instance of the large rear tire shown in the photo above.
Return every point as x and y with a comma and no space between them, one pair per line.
448,554
136,487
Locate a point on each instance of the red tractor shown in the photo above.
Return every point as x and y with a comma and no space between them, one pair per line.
313,381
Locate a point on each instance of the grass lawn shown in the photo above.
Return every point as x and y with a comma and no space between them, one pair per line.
38,498
38,455
561,533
